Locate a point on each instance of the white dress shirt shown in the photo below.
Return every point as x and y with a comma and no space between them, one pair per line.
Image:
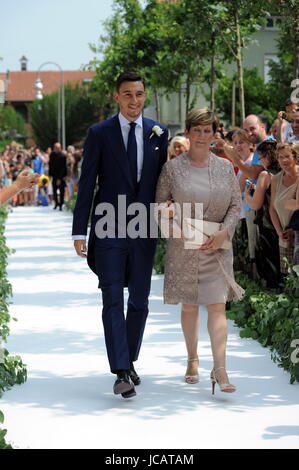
125,129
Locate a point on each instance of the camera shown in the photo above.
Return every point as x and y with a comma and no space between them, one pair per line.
284,115
248,183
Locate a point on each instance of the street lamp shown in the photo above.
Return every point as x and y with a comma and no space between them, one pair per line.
61,101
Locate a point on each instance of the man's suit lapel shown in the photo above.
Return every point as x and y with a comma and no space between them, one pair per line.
118,147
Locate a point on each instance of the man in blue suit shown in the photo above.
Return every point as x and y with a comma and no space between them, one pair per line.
124,155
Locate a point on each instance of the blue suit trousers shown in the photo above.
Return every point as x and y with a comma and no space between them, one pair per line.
120,261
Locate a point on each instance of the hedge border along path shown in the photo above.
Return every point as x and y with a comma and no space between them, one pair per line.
271,318
12,370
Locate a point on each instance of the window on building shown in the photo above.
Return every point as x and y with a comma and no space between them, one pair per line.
267,59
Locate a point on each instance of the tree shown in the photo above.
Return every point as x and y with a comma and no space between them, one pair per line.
257,96
80,112
176,46
286,69
116,48
10,120
236,22
136,39
159,42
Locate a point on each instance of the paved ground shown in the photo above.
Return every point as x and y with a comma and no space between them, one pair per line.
67,401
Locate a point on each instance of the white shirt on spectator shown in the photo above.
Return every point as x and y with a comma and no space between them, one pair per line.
287,133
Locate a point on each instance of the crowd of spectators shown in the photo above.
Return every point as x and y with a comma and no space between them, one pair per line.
15,158
265,157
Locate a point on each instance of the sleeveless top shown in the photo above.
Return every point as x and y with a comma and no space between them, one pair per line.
282,195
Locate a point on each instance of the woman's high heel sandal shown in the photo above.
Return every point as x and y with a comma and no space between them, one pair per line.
192,379
225,387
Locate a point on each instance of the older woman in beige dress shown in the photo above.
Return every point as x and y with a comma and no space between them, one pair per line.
203,276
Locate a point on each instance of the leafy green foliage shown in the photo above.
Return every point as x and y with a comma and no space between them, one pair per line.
159,261
12,369
287,69
10,119
271,318
70,204
3,144
81,110
258,96
172,45
3,444
241,252
5,286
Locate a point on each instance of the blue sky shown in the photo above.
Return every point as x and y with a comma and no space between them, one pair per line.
50,30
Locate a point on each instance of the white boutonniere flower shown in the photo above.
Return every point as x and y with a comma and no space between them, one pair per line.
156,130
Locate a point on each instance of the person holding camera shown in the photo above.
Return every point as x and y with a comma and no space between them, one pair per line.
258,198
247,228
295,127
24,180
255,127
282,186
285,129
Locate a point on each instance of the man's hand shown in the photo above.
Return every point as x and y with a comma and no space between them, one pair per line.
281,115
80,247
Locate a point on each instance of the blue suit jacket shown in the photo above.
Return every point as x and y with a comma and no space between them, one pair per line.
105,158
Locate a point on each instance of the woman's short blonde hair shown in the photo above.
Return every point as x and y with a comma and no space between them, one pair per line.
181,140
202,116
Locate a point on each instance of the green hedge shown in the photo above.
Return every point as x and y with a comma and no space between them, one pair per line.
159,256
12,370
70,204
271,318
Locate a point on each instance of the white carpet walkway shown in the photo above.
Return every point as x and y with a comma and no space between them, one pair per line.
67,401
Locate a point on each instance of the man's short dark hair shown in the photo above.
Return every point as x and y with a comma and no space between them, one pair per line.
128,77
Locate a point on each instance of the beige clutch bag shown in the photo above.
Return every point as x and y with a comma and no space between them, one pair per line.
196,232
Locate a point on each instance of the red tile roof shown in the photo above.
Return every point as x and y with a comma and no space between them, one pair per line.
21,84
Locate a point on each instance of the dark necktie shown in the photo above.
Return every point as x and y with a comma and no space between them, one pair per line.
132,152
